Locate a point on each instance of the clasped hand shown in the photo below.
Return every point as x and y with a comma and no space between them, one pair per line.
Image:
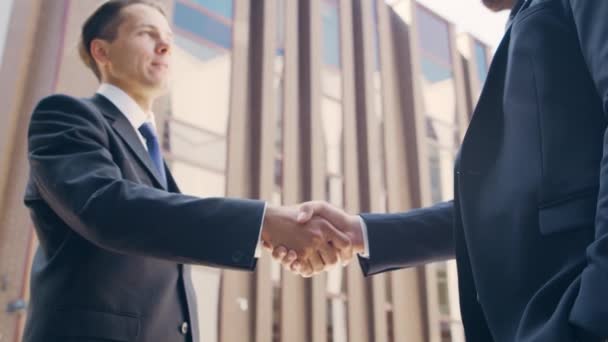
311,237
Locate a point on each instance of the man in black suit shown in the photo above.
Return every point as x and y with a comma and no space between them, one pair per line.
114,231
529,222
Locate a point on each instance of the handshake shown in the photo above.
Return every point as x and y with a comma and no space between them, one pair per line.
311,237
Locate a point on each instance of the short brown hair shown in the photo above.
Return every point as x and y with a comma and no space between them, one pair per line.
103,24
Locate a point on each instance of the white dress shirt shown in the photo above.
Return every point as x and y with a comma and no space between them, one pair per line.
137,117
131,110
365,253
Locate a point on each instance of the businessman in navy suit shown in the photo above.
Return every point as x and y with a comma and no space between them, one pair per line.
115,233
529,222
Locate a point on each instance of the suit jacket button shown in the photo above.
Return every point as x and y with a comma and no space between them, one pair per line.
237,256
184,328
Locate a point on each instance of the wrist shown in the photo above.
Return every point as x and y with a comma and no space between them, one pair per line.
275,218
356,235
267,224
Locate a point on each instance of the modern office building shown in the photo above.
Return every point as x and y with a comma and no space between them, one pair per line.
362,103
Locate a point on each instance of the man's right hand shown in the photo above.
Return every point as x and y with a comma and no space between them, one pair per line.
315,243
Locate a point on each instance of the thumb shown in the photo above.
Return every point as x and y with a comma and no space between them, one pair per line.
305,212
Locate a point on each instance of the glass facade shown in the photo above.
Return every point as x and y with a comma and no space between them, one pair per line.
378,157
332,122
481,61
277,194
442,137
195,127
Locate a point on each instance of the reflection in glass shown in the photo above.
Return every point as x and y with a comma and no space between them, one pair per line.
332,125
481,60
442,135
279,91
196,125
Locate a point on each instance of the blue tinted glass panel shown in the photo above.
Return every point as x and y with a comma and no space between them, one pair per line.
435,171
433,71
331,33
280,35
203,26
202,51
220,7
433,35
374,4
481,61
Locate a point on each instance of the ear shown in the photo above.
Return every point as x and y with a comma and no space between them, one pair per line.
100,51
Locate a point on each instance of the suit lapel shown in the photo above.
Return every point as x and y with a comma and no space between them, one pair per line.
480,142
171,183
480,139
127,133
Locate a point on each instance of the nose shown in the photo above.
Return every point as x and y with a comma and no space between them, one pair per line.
163,48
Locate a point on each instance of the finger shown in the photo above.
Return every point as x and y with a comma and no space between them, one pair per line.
337,237
332,214
291,257
296,267
346,256
306,269
340,241
329,255
316,262
279,253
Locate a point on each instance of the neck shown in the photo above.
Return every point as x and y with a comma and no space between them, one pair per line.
144,99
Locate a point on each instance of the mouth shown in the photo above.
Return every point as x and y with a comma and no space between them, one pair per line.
160,65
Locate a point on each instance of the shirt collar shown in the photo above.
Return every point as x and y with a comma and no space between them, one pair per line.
125,103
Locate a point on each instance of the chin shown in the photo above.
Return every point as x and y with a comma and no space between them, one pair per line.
498,5
158,85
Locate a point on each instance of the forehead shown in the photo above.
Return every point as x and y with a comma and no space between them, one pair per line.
144,15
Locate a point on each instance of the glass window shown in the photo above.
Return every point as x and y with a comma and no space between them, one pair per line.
5,10
332,124
331,32
277,196
379,156
433,35
198,146
207,285
337,318
481,60
223,9
442,135
196,181
199,23
196,122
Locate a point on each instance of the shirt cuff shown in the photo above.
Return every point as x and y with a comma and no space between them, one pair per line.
365,253
258,248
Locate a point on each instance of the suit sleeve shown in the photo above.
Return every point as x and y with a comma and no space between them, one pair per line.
74,171
409,239
590,310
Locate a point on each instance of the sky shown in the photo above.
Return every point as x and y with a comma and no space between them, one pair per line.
472,17
5,7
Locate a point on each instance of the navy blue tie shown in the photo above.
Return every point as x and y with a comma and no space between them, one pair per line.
147,130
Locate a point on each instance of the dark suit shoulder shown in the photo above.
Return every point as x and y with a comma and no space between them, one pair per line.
60,113
64,103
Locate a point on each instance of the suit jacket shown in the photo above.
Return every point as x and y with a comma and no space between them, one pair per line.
113,242
529,222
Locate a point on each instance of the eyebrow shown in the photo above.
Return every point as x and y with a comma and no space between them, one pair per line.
169,33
